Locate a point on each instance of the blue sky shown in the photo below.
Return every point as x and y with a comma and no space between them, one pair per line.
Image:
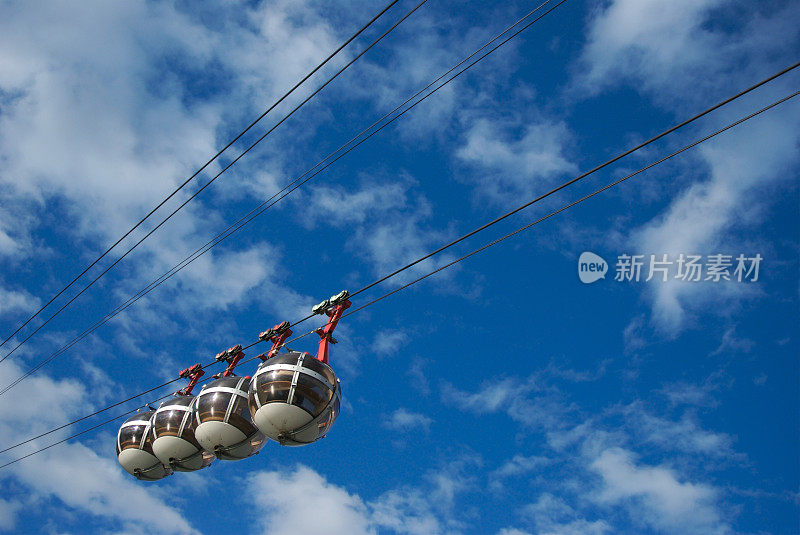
502,396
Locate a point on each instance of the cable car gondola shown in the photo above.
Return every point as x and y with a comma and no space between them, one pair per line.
174,427
135,448
224,425
295,397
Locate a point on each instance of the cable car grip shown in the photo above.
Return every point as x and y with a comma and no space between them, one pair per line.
193,373
277,335
232,356
333,308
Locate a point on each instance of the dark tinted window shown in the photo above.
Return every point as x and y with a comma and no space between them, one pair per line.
167,423
283,358
130,437
311,394
240,416
212,406
274,385
321,368
326,422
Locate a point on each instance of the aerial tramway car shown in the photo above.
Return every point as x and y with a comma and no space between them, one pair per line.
174,427
135,448
293,398
224,425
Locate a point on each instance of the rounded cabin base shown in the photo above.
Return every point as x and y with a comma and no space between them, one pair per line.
216,436
169,449
280,422
142,464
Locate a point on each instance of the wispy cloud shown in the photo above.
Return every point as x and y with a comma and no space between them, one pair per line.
75,474
511,161
655,496
674,54
427,509
670,497
405,420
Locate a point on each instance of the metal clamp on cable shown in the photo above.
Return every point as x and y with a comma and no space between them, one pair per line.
193,373
334,300
277,335
190,371
232,356
274,331
340,297
333,308
322,307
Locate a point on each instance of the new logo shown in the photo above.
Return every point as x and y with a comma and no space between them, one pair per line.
591,267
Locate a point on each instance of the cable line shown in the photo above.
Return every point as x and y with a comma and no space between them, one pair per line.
258,210
117,404
460,259
101,424
580,200
296,108
90,415
514,211
581,176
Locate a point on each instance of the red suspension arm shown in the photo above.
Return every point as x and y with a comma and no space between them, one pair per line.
232,356
277,335
326,333
193,373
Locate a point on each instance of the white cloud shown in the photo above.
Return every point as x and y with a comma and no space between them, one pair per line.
419,379
675,54
514,162
12,301
520,464
528,402
77,476
283,498
389,342
404,512
339,206
683,393
517,466
8,514
685,434
655,496
732,344
397,238
642,36
387,222
405,420
553,516
739,162
112,149
101,119
593,463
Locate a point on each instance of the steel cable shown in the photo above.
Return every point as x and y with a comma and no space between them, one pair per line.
518,209
258,210
460,259
149,233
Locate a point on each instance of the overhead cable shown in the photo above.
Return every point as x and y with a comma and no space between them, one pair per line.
516,210
405,286
167,218
288,189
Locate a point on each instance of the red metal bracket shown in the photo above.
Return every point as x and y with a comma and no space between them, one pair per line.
325,333
232,356
193,373
277,335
